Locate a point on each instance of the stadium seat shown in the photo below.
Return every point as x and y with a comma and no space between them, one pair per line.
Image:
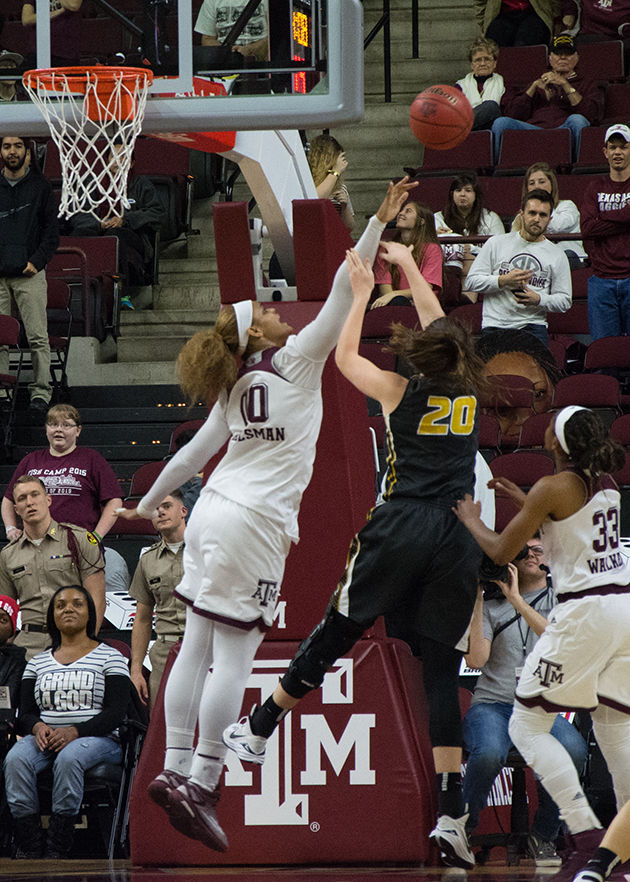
9,383
524,468
600,392
612,355
533,430
616,104
503,195
144,477
189,427
518,64
489,434
59,315
519,147
433,191
469,314
475,153
377,323
378,355
620,430
573,321
103,270
602,61
590,157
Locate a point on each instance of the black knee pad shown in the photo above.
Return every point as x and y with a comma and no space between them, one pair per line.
333,637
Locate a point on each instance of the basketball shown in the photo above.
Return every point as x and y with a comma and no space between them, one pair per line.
441,117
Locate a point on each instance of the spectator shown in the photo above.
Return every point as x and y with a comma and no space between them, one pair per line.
509,617
159,571
134,227
8,88
516,22
521,274
48,555
465,215
599,21
12,657
65,728
191,488
216,18
605,214
29,237
559,98
565,217
81,484
483,86
65,31
327,162
415,226
116,571
516,352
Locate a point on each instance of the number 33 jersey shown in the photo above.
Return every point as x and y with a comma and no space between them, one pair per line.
273,413
583,551
431,444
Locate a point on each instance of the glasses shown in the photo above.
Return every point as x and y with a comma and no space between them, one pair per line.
537,550
481,58
62,425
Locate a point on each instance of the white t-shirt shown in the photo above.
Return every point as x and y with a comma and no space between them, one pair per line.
490,224
216,18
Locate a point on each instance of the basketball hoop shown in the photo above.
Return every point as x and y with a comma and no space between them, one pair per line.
95,115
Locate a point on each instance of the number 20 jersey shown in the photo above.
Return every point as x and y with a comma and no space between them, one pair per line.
431,444
274,414
583,551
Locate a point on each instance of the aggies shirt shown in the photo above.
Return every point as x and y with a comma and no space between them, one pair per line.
605,222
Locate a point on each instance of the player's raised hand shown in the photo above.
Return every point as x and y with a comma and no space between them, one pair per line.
361,276
128,514
394,199
396,252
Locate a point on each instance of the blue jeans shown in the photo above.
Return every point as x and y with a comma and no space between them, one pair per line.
575,122
608,307
488,743
25,760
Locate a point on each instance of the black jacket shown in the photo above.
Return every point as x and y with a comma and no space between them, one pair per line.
12,664
28,223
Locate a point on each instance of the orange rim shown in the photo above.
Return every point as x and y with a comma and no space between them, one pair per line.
78,77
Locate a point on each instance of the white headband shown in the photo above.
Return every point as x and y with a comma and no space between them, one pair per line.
244,313
562,418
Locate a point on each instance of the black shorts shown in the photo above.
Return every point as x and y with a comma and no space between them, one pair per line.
414,562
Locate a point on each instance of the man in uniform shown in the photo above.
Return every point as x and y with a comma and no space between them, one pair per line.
159,571
45,557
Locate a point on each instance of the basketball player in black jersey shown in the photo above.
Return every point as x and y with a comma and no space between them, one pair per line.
412,558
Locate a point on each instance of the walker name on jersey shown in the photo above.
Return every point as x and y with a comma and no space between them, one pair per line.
270,433
278,801
607,564
612,201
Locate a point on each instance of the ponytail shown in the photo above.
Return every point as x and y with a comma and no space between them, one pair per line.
591,448
207,364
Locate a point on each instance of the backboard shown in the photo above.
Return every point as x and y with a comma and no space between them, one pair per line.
305,70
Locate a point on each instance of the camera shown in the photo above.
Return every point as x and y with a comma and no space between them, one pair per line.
490,573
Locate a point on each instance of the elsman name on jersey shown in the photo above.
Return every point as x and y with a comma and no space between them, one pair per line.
606,564
270,433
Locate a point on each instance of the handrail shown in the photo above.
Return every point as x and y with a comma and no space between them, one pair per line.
384,24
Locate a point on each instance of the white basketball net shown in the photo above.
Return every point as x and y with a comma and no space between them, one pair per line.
94,170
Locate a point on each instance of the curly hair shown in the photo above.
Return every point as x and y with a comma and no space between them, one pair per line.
443,352
591,448
322,153
207,363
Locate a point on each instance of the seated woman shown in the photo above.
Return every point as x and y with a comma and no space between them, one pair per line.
83,488
565,217
327,161
66,728
483,86
415,227
464,215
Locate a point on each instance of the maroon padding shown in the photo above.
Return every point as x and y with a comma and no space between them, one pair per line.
589,390
369,801
233,249
518,148
607,352
516,64
320,242
474,153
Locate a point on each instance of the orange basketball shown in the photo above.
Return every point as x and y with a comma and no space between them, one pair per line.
441,117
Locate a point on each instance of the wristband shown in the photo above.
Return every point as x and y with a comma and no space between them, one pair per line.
94,533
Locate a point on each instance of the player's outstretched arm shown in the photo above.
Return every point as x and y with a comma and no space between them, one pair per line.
317,339
424,299
385,386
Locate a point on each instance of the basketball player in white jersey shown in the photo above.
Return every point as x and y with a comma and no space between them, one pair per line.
244,521
582,661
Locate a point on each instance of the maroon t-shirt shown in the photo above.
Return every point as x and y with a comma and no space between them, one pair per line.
65,33
600,16
80,483
605,226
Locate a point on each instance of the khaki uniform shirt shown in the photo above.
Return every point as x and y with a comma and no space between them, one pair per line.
158,573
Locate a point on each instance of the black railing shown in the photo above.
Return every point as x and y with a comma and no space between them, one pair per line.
384,24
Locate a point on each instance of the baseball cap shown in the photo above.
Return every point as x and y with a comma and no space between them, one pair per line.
563,44
10,606
14,57
618,129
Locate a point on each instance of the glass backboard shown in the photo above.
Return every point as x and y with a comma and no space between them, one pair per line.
217,64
